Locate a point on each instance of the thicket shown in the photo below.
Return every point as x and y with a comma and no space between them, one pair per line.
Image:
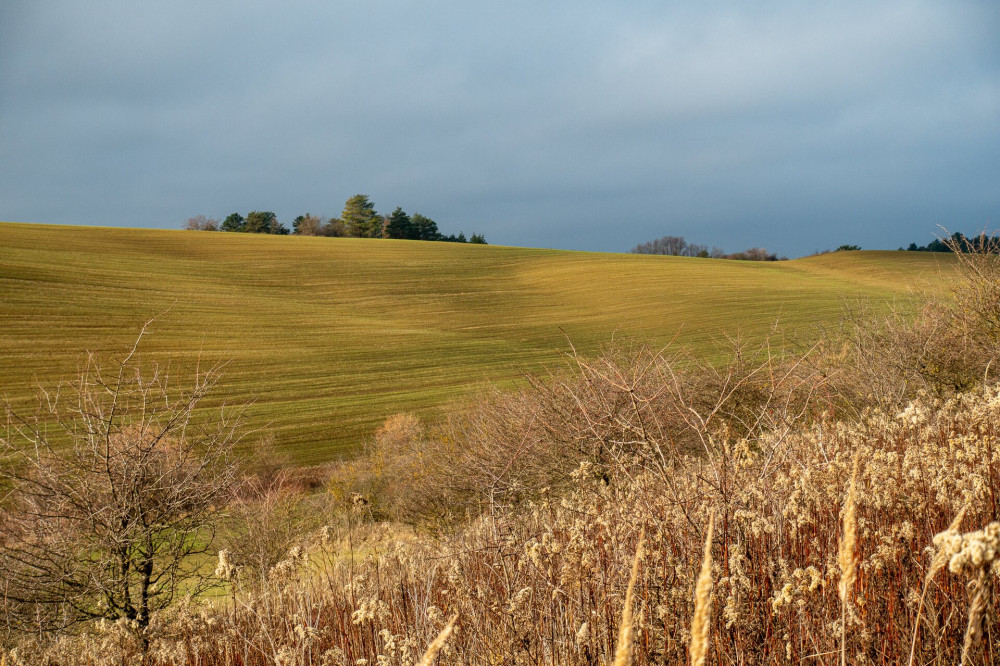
830,504
678,247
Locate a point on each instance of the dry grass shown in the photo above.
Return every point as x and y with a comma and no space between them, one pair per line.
939,560
546,581
846,553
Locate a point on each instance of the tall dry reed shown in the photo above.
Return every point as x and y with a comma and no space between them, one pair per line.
438,643
702,619
623,653
846,554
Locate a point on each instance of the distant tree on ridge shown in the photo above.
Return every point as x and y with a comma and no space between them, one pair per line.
234,222
360,219
201,223
399,225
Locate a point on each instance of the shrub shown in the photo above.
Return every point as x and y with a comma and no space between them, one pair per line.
264,522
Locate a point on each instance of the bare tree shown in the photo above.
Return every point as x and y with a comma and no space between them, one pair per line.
669,245
111,490
695,250
678,247
201,223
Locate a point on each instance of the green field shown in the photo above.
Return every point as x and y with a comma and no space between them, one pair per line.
328,336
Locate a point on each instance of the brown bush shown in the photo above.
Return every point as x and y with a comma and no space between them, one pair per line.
629,409
265,522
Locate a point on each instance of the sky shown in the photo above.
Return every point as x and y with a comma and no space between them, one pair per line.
582,125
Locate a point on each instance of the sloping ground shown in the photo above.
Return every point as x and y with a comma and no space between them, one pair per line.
329,336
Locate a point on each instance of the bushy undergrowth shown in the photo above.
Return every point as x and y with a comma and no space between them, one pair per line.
544,581
510,533
949,345
629,406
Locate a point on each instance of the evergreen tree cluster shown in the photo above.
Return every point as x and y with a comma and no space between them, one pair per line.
358,220
256,222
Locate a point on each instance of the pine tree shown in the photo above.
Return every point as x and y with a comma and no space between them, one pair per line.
399,225
360,218
425,228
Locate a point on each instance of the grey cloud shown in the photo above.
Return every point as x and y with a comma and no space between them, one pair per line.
587,126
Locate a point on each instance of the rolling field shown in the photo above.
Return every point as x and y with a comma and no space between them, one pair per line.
329,336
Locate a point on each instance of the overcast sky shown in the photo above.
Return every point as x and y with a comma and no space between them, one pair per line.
581,125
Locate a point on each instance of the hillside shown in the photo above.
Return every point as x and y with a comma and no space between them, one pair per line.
329,336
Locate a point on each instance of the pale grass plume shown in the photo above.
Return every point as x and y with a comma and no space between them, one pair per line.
703,602
849,539
438,643
846,554
623,654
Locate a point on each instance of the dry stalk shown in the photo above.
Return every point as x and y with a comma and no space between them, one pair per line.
846,555
703,602
624,651
438,642
940,559
974,630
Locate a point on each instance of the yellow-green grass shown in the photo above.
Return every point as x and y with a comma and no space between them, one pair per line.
328,336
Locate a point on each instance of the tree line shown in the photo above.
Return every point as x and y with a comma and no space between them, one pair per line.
959,242
359,219
981,243
676,246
